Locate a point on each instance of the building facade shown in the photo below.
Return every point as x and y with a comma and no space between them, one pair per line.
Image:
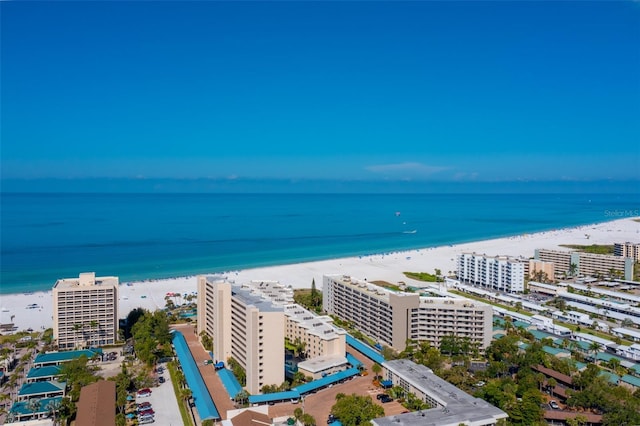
246,327
586,264
250,323
629,250
392,317
85,311
500,273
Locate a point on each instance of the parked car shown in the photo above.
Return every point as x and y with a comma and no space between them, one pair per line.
161,379
144,392
145,404
385,399
148,411
554,405
146,421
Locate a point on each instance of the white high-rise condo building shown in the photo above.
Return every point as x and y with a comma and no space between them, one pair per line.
393,317
85,311
500,273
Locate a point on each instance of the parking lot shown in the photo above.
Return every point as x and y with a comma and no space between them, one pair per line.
164,403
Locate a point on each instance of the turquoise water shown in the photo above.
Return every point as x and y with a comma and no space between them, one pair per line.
139,236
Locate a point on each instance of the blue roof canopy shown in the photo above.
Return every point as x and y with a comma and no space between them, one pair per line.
276,396
327,380
365,349
230,382
206,408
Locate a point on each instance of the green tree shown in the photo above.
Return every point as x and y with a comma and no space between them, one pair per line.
77,373
377,369
356,410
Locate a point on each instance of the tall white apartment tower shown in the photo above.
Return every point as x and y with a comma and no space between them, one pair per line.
85,311
245,326
499,273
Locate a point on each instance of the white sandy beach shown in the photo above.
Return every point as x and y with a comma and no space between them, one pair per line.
388,267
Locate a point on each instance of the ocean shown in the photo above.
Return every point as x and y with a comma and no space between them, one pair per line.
45,237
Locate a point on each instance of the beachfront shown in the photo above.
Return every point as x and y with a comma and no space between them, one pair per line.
388,267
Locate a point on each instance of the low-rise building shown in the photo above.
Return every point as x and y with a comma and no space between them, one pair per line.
450,406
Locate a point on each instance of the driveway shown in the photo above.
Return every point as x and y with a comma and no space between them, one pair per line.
164,403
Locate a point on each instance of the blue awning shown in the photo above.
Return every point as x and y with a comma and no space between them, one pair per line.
204,404
386,383
325,381
276,396
365,349
230,382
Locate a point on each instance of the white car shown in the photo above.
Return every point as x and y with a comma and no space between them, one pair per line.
554,405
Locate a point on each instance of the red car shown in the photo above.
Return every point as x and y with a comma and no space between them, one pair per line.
148,412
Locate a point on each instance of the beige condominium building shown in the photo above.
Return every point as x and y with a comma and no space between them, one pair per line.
499,273
244,326
250,322
393,317
586,264
85,311
629,250
540,270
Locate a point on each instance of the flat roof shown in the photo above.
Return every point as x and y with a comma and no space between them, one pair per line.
250,298
201,396
322,363
65,356
632,380
456,406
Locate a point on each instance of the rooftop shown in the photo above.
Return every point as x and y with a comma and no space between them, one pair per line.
53,357
96,406
322,363
455,407
87,279
41,388
250,298
48,371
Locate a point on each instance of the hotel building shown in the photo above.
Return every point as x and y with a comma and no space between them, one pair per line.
586,264
85,311
500,273
250,322
629,250
392,317
449,406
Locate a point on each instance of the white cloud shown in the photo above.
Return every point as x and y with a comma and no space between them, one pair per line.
406,169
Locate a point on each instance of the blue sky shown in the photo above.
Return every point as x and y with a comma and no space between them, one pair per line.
322,91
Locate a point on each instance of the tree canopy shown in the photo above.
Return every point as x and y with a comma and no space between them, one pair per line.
355,410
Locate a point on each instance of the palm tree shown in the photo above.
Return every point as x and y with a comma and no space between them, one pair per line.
377,369
33,405
595,348
52,408
185,394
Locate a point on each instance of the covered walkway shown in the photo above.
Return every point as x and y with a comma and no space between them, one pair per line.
365,349
326,381
230,382
204,404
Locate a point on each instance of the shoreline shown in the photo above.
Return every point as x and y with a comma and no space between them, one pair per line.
149,294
